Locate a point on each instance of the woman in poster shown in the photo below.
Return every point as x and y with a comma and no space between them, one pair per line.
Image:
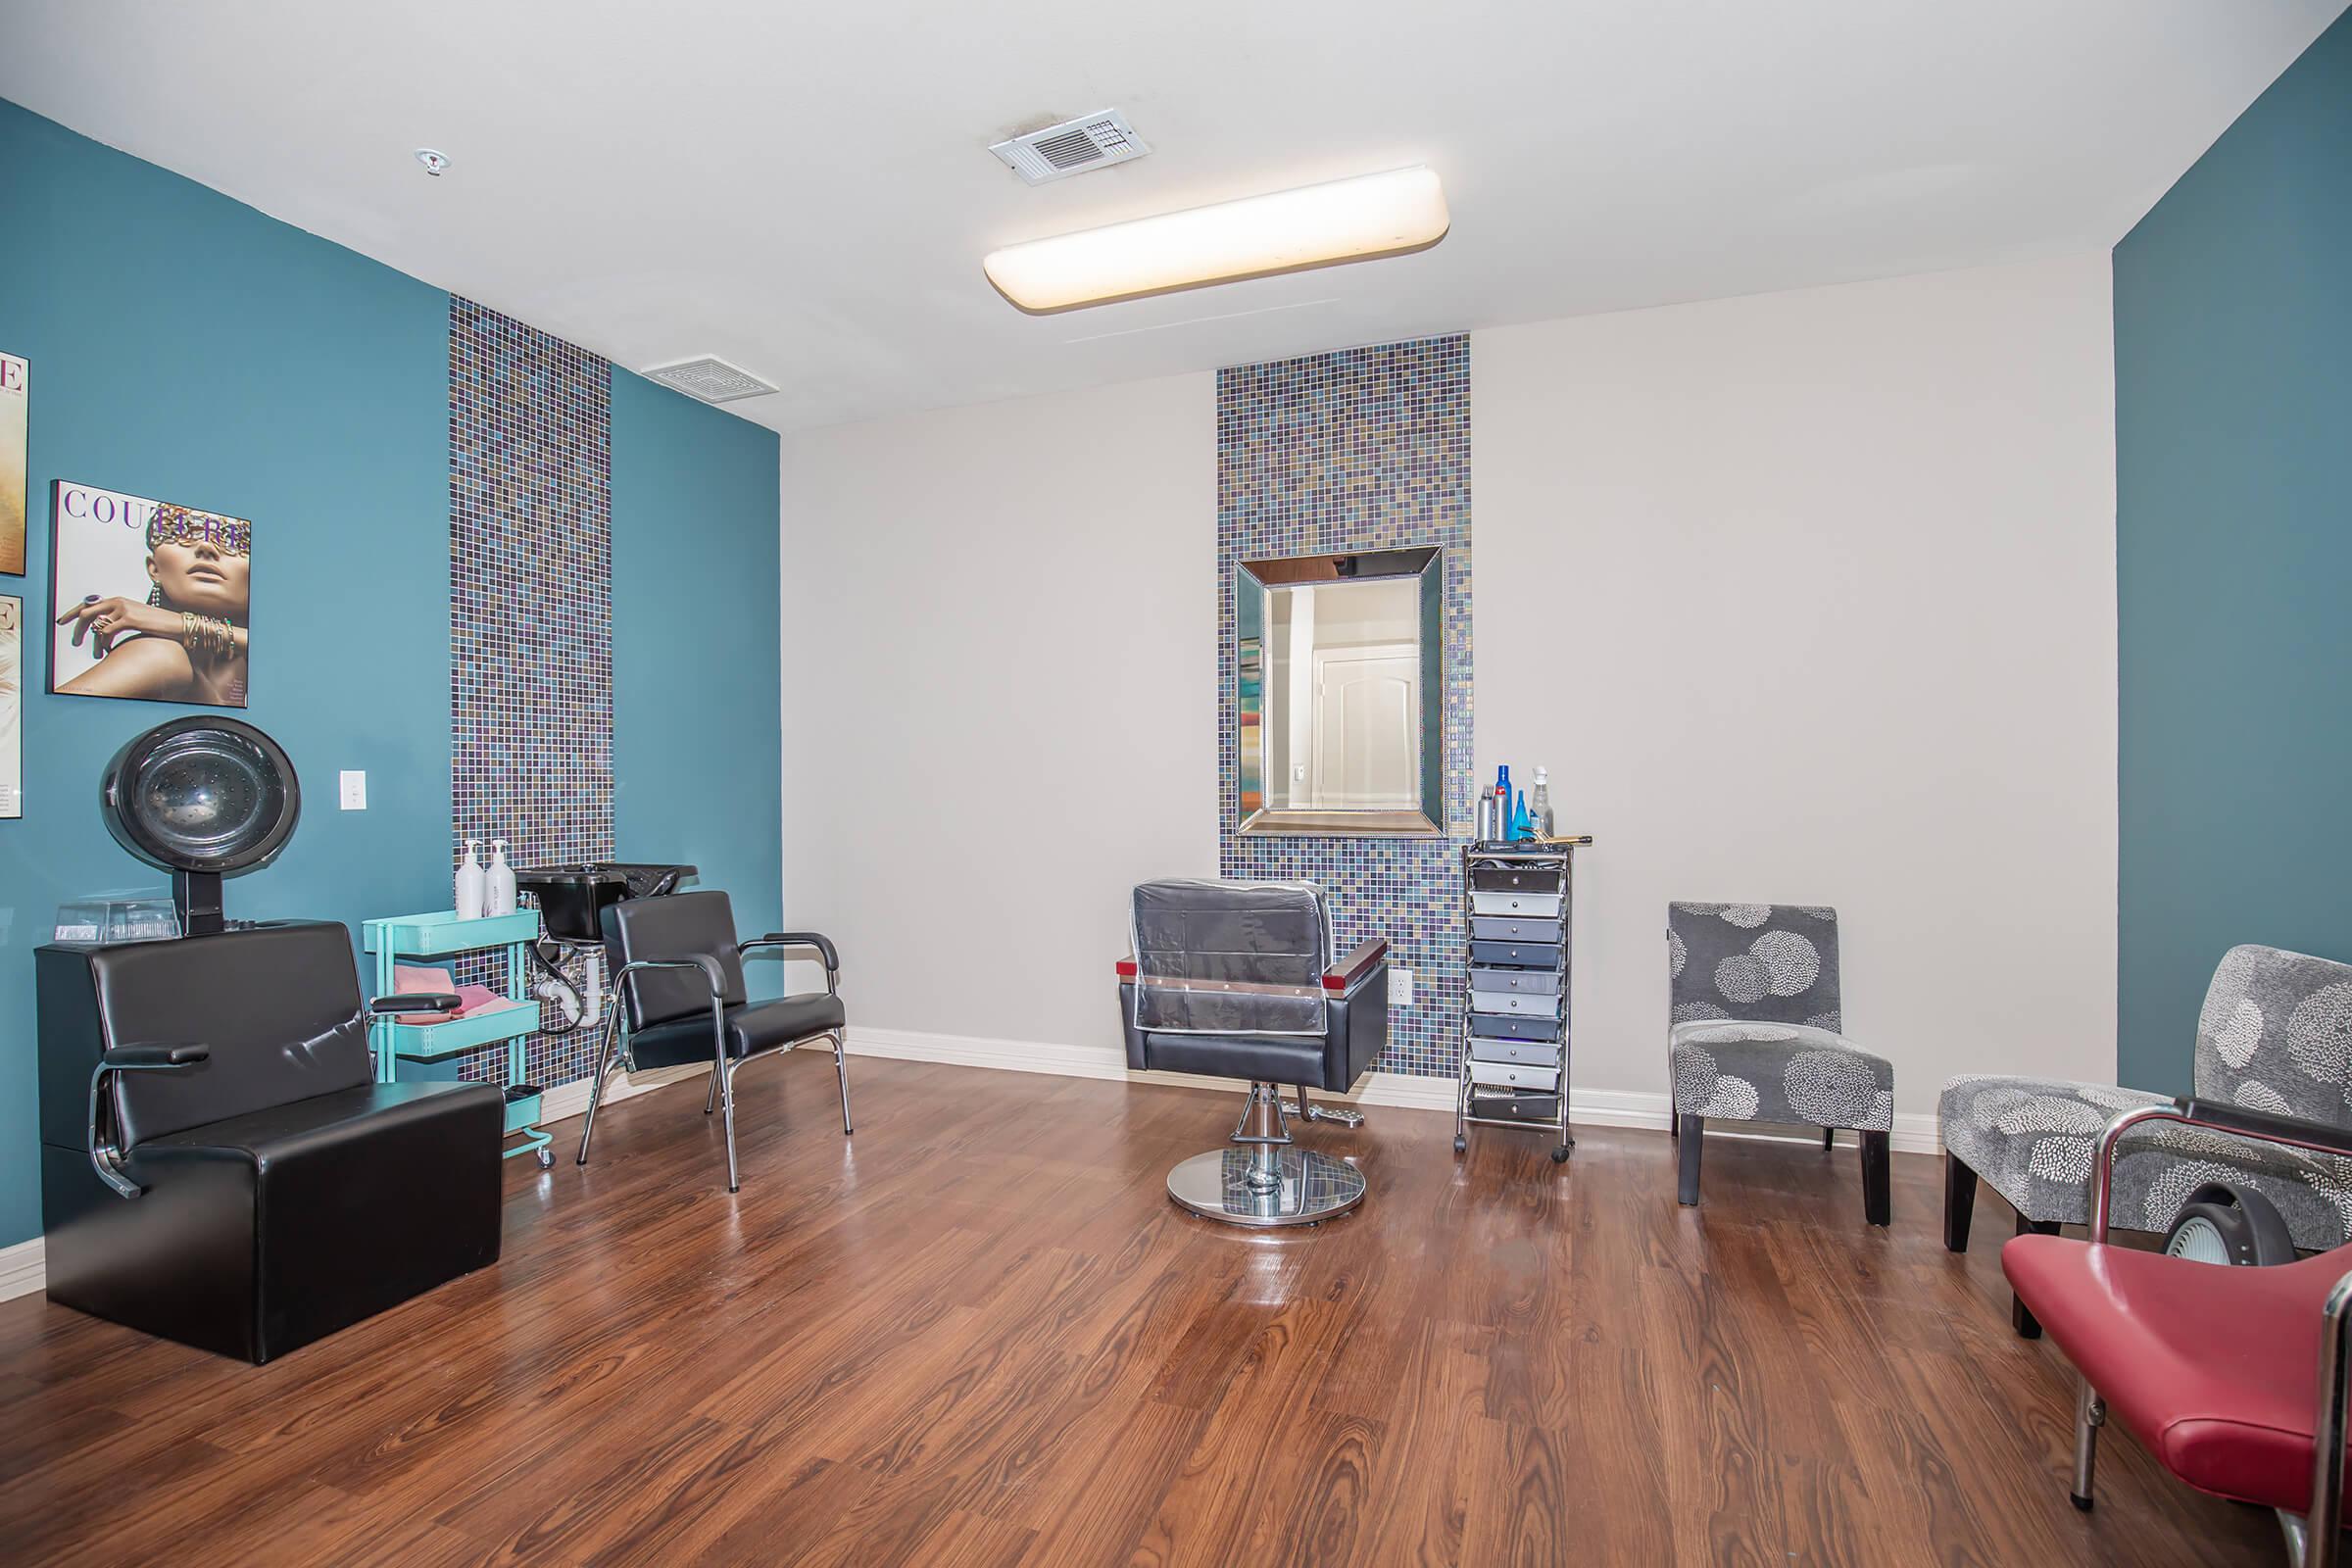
187,641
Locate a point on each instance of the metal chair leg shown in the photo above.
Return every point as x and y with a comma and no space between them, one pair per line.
2298,1536
2091,1414
711,1099
596,1091
841,1072
726,1100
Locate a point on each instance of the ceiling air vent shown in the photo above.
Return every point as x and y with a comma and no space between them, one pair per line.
1090,142
713,380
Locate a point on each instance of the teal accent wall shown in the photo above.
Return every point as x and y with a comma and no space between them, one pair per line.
697,763
186,347
2233,569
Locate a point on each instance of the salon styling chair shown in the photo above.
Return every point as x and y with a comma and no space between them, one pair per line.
1243,980
679,998
219,1164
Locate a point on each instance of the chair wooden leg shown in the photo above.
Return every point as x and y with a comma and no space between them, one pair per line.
1877,1179
2023,1320
1689,1131
1959,1202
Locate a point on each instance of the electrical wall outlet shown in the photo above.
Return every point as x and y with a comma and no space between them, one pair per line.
355,790
1400,988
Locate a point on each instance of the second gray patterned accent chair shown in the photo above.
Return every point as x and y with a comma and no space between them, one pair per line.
1754,1033
2274,1035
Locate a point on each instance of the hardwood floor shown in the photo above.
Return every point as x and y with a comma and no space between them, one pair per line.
979,1333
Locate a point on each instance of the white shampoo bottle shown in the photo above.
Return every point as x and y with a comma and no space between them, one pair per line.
501,896
472,887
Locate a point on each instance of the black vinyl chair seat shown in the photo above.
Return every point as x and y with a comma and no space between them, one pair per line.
1261,1059
315,1128
751,1028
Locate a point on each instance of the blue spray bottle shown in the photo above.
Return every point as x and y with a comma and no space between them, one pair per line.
1520,830
1503,801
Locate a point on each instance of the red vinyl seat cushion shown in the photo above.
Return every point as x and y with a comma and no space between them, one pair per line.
2214,1369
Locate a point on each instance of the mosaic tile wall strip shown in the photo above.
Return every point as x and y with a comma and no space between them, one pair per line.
1362,449
530,615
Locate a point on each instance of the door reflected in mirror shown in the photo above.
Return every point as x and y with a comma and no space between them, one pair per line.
1337,669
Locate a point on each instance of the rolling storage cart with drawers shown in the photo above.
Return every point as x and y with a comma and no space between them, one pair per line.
1516,911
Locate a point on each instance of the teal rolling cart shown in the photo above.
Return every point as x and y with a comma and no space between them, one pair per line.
441,936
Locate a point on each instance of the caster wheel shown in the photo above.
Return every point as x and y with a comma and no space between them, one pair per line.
1460,1144
546,1160
1559,1156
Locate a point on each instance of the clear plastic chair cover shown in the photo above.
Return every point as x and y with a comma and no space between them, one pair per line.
1228,958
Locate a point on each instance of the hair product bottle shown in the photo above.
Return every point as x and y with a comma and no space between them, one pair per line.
500,897
1538,808
472,888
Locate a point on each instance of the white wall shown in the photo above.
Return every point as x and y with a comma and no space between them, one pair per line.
1805,598
1811,598
999,703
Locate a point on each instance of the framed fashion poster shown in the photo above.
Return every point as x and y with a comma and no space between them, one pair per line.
16,398
12,705
148,598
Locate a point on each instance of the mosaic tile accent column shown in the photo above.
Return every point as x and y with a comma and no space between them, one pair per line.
530,614
1363,449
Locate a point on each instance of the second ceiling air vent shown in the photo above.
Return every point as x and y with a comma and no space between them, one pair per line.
1090,142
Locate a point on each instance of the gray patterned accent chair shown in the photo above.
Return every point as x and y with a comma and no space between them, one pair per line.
2274,1036
1754,1033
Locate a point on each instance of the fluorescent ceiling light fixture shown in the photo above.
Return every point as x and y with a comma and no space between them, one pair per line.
1316,225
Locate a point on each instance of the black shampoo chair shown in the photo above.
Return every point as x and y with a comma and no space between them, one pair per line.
1242,980
678,996
218,1165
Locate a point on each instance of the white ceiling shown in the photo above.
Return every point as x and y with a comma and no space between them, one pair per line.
805,189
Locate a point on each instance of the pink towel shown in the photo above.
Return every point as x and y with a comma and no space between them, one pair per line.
409,981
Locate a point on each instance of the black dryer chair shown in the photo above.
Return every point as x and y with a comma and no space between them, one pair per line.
678,996
219,1164
1243,980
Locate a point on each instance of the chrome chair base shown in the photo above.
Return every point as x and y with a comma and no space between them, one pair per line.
1311,1188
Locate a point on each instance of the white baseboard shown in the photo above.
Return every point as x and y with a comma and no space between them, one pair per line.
23,1270
567,1101
1600,1107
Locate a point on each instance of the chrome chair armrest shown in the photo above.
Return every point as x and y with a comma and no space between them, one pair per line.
699,961
105,1159
2318,1137
2325,1516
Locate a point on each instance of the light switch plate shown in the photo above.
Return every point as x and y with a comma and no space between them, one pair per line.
1400,988
355,790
